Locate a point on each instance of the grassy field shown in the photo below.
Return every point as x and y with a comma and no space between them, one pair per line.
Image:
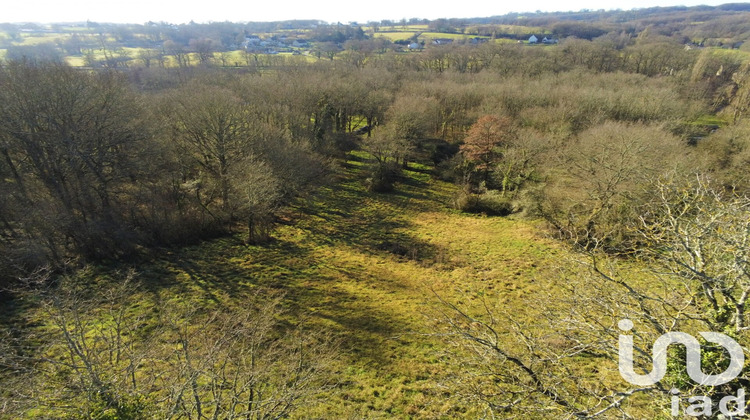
422,36
392,33
401,28
435,35
395,36
365,266
514,29
36,39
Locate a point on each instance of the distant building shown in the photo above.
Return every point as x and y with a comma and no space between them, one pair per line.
250,41
533,39
414,46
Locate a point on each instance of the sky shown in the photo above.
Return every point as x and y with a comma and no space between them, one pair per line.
183,11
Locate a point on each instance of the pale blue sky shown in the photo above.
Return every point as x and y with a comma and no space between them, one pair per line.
181,11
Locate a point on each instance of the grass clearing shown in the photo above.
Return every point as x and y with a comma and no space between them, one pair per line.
395,36
514,29
36,39
364,265
403,28
441,35
710,120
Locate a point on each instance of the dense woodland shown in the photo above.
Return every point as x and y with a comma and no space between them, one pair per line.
626,145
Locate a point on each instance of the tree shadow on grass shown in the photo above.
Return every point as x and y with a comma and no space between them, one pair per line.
223,271
221,275
373,222
340,216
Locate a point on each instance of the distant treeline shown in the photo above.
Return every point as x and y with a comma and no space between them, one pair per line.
720,25
108,163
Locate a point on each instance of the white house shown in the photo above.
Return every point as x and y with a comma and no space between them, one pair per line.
251,41
414,46
533,39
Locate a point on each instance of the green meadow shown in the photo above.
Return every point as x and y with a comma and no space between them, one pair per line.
367,268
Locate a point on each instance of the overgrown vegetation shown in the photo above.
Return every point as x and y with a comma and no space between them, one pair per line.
450,232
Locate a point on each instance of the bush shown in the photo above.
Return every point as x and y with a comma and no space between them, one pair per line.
441,151
451,170
491,203
384,177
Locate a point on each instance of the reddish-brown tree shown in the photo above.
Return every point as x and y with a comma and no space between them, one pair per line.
483,139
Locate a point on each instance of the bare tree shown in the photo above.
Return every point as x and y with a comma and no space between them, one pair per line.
212,132
606,170
70,141
232,365
700,236
205,48
80,365
259,194
102,352
390,153
560,360
179,53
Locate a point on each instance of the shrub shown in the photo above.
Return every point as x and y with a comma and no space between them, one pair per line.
384,177
492,203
